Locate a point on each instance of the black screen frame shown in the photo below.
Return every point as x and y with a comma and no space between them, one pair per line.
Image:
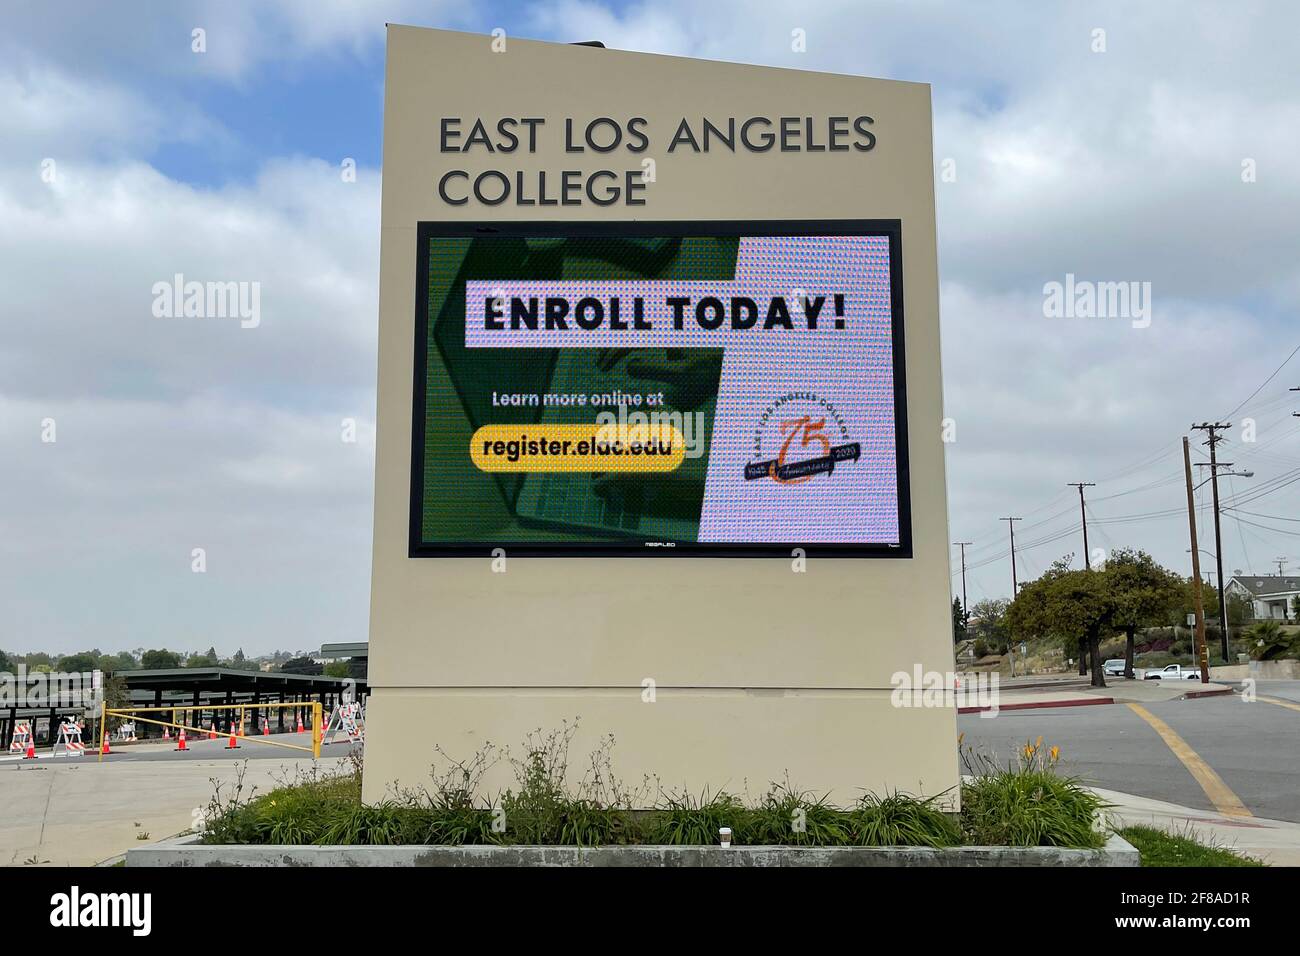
428,231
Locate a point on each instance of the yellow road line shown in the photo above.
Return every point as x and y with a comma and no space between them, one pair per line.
1224,800
1280,703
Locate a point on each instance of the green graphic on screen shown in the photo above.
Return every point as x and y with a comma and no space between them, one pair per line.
469,388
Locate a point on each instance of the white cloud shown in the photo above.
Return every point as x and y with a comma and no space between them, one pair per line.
175,434
151,40
182,433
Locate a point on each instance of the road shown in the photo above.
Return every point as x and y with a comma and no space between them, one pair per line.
1252,748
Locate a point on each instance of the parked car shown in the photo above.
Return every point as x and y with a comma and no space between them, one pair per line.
1113,667
1174,672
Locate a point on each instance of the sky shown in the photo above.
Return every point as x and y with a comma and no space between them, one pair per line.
1151,143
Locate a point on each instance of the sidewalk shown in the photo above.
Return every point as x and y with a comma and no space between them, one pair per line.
1076,692
79,812
1275,841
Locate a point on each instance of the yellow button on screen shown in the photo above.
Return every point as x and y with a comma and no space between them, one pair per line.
583,448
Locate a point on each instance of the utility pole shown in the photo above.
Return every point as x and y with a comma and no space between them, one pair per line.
1213,441
1281,563
1087,561
1201,654
1012,528
965,609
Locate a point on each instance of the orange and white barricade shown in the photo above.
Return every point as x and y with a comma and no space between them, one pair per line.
346,718
69,739
22,737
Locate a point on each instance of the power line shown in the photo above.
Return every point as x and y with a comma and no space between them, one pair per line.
1256,514
1265,382
1266,488
990,552
1109,542
1265,527
1241,534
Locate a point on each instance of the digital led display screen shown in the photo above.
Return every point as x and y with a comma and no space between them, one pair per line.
647,389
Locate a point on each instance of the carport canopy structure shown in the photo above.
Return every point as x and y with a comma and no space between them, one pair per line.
218,688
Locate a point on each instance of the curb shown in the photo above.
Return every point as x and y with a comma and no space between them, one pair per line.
1038,705
1085,702
188,852
1192,695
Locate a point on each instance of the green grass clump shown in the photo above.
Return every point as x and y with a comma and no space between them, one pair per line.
1028,803
1161,848
901,820
680,819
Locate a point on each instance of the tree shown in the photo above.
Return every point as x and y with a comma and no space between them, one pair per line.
338,669
1074,607
959,621
6,665
1145,594
1240,609
1209,601
78,663
206,659
116,663
988,623
301,665
162,659
1295,608
116,697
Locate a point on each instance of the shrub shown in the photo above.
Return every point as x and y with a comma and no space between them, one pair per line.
685,820
901,820
1270,641
1027,803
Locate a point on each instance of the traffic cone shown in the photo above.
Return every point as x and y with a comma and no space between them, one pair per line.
266,727
301,728
166,732
31,748
212,730
104,748
230,744
180,740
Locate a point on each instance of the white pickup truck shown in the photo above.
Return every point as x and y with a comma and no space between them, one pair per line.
1174,672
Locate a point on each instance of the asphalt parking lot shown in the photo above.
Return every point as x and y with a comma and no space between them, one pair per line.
254,748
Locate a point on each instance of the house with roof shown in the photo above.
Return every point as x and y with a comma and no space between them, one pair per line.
1271,596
